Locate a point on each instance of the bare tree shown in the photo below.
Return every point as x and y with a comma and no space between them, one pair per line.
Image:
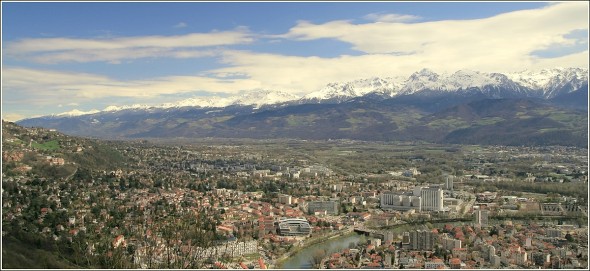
186,237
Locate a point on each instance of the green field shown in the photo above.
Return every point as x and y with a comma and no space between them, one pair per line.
297,120
489,121
448,122
48,146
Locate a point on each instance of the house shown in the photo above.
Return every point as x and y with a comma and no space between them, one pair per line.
118,241
435,264
455,263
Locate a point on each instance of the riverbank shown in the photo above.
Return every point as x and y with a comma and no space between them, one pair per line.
278,263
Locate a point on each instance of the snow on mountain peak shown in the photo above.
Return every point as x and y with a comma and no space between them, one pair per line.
259,97
464,79
208,101
77,112
126,107
344,90
551,81
545,83
256,97
421,80
424,72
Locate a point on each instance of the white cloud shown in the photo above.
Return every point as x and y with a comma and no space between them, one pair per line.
115,56
392,18
495,43
180,25
12,117
46,87
502,43
55,50
300,75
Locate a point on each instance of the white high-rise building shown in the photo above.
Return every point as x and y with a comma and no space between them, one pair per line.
417,191
491,252
399,202
481,218
432,199
521,258
422,199
286,199
449,184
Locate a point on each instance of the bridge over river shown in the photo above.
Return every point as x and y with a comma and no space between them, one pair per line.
370,232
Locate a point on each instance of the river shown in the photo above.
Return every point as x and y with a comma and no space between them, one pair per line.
302,259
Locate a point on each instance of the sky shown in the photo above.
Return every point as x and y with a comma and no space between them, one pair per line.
64,56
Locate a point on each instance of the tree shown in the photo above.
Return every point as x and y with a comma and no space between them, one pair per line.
195,230
317,257
569,237
494,231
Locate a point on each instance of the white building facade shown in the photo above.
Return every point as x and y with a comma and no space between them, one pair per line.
432,199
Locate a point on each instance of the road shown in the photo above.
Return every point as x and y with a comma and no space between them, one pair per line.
469,204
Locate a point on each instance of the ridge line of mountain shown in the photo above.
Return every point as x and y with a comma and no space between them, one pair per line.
546,84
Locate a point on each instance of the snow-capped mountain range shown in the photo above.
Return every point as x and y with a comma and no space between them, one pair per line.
389,86
551,81
256,98
546,84
543,84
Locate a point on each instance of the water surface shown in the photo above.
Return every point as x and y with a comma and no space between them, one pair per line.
303,258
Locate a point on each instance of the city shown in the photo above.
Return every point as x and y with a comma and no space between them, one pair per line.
295,135
254,203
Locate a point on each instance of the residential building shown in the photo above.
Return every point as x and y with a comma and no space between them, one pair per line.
399,202
432,199
286,199
330,207
422,240
449,243
553,233
435,264
449,183
481,218
455,263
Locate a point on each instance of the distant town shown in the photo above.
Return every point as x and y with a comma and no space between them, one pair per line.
257,204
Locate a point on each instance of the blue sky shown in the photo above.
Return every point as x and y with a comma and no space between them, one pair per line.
59,57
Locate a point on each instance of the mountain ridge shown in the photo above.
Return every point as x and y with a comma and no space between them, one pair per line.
468,119
435,108
545,84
